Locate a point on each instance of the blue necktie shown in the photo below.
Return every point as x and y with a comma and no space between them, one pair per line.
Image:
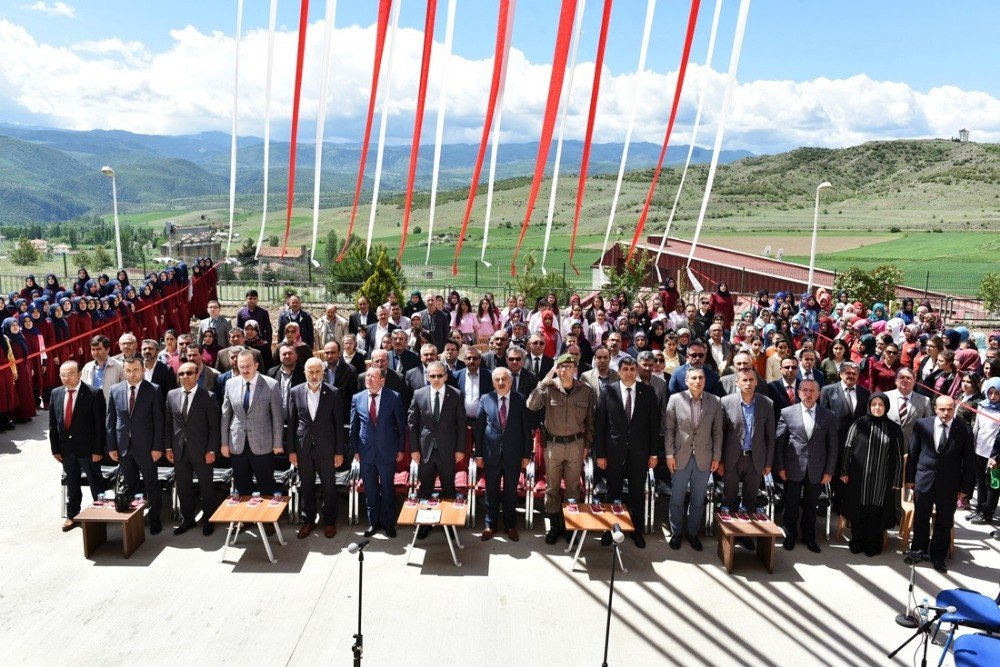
246,398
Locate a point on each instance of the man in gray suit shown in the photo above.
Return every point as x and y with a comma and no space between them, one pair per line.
316,444
601,374
748,447
905,405
693,448
103,372
216,321
135,434
252,425
730,383
806,458
436,422
193,417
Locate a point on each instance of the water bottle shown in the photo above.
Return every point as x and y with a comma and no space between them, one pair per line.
922,610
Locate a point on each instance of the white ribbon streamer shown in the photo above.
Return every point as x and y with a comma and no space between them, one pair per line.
720,132
449,34
331,11
566,94
386,86
694,133
271,24
232,148
495,138
643,50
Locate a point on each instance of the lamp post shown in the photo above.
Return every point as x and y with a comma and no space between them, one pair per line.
812,249
110,173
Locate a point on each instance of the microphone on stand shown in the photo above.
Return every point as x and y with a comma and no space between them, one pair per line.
617,536
943,610
355,547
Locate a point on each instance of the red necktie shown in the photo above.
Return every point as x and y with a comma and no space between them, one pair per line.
131,400
790,390
503,413
372,410
68,417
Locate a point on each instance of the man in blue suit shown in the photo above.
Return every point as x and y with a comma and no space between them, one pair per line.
377,441
502,438
135,434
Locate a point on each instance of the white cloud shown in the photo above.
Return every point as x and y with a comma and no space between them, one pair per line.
55,9
113,84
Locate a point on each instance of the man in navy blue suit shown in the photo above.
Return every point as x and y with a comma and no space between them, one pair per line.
377,441
503,442
135,434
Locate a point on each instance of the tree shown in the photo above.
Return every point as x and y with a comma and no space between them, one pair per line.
385,278
332,246
74,238
629,279
350,272
101,259
24,253
83,259
246,252
875,286
273,240
535,285
989,292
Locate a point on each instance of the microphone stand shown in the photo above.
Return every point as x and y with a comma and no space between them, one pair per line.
611,591
923,629
906,618
359,641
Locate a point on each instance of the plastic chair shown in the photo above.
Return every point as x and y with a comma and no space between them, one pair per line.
973,610
976,651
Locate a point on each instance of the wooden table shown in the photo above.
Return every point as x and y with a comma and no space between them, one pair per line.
452,516
265,512
764,532
585,520
94,523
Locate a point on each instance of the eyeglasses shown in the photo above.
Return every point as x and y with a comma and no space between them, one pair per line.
435,375
514,358
182,374
696,355
892,351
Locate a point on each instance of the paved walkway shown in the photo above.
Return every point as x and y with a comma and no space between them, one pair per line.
510,604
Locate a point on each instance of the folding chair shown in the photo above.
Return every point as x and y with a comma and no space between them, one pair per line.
165,475
976,651
222,477
109,469
285,476
649,501
972,610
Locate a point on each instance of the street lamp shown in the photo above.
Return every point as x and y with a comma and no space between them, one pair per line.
812,249
110,173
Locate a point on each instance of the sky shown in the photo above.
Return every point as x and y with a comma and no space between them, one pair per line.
811,73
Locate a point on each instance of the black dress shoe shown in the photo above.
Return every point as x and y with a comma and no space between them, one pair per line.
390,531
747,543
855,549
788,544
208,528
423,532
813,547
940,566
695,542
981,520
552,535
371,531
606,539
184,527
155,527
640,541
675,541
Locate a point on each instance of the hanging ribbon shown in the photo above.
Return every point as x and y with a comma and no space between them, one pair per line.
643,50
502,28
564,101
383,124
324,91
734,61
559,56
595,89
271,25
681,72
449,33
495,142
232,147
296,95
384,10
418,121
694,134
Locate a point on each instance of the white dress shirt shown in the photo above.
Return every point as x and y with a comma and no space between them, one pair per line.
312,399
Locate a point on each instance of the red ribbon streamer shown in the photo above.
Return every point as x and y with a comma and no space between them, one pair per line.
559,57
498,53
692,20
384,10
418,121
303,26
581,187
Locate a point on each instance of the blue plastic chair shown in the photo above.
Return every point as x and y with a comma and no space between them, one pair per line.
972,610
977,651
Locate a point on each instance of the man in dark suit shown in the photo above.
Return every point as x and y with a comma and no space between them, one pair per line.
696,357
941,470
807,368
155,371
392,379
315,444
288,373
784,392
450,356
360,318
298,316
537,361
401,359
729,382
135,434
377,443
193,422
497,354
76,435
220,383
626,428
438,324
380,328
522,380
848,402
805,458
747,444
207,376
436,421
502,437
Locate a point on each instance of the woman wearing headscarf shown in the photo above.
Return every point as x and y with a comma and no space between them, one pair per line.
36,350
254,341
80,286
871,469
864,355
210,345
30,286
415,304
825,335
986,431
669,294
550,332
721,303
906,311
22,372
8,376
146,311
879,313
199,293
809,309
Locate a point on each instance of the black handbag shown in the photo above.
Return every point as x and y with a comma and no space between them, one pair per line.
123,495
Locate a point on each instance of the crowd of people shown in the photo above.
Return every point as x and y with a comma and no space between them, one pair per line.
808,392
